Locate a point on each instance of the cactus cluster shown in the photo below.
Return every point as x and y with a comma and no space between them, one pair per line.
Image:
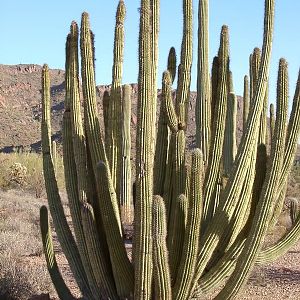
200,216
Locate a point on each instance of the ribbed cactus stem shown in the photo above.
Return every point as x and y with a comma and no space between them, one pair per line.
172,63
265,205
168,104
125,196
230,133
216,150
101,268
294,210
61,288
232,191
203,110
121,266
75,151
214,92
144,162
254,70
182,287
184,69
63,231
161,271
181,210
54,156
246,101
106,117
281,247
272,122
114,125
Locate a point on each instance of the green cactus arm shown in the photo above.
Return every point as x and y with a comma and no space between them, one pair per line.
216,150
293,132
230,133
184,69
144,162
281,247
279,203
91,121
161,271
106,117
214,93
64,234
61,288
115,106
178,180
175,252
263,119
154,53
168,182
100,266
268,194
162,146
294,210
203,110
75,152
222,269
272,122
54,155
248,142
125,195
290,150
121,266
246,101
255,59
183,282
172,62
169,108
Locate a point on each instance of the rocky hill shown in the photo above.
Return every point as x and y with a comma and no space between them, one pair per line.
20,107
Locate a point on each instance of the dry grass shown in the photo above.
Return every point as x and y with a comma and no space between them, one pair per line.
19,240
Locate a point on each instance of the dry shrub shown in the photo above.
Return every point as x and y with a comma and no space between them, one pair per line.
24,170
20,282
19,241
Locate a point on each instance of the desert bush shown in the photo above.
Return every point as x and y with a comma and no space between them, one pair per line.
20,239
18,281
24,170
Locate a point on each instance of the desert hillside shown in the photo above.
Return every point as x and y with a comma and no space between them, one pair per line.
20,107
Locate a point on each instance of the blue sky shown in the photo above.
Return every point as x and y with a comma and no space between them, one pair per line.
34,31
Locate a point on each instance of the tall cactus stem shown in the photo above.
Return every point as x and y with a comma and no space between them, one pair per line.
125,196
203,111
161,271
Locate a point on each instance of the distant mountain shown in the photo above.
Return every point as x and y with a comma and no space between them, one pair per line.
20,107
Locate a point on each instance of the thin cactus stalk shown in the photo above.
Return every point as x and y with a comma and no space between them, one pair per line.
184,69
161,274
203,111
294,210
61,288
246,101
219,128
172,63
62,228
230,133
125,195
175,253
144,162
54,156
272,122
114,125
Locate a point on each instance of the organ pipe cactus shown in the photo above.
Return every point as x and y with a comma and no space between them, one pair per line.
197,219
